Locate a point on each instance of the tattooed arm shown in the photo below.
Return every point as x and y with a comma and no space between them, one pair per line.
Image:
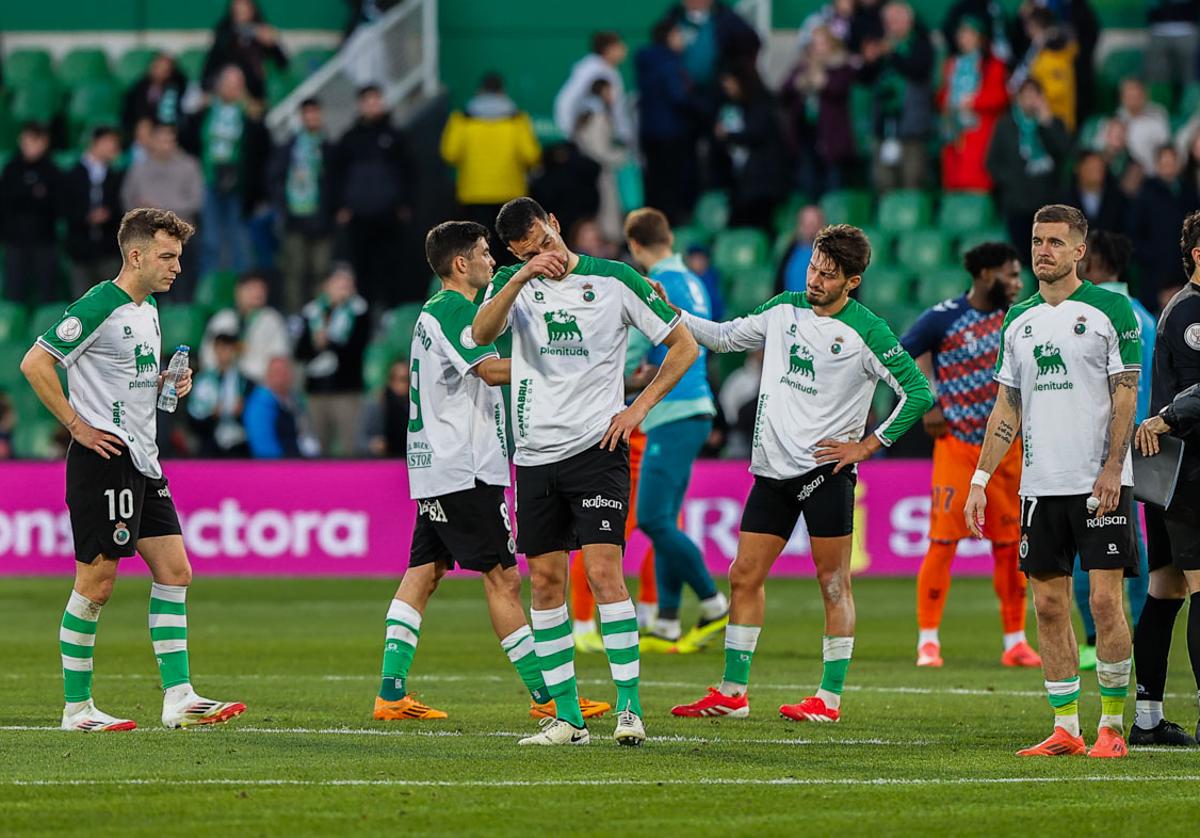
1003,426
1123,387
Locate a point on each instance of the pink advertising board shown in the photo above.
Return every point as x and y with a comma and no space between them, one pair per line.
355,519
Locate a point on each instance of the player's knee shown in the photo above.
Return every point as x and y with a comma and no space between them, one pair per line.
98,591
743,578
1052,607
835,584
1106,605
546,578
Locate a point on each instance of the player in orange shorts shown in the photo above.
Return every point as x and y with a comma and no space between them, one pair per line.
959,340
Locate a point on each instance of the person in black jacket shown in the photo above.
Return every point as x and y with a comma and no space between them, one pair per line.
156,96
715,38
751,134
1162,204
29,194
666,112
1173,534
567,182
371,184
334,332
91,204
243,38
298,180
1096,193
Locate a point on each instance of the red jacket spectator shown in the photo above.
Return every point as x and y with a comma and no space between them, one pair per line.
973,97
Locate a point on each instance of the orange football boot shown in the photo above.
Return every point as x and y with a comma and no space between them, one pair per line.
406,708
1109,744
1058,744
587,708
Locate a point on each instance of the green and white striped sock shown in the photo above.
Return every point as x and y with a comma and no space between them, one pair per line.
740,642
556,655
619,628
1064,698
168,633
1114,688
403,630
519,648
836,652
76,641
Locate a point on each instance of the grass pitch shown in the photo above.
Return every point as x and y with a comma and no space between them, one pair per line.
917,752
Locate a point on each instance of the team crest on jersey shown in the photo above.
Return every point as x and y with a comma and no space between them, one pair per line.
800,361
589,295
121,534
467,339
561,325
836,348
1080,325
69,330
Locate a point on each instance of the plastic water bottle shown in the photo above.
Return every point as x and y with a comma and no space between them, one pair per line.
168,399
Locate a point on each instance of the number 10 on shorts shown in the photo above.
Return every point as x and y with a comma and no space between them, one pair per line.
121,502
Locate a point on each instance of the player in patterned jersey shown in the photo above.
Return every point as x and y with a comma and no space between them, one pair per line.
457,471
824,355
569,316
119,501
1068,374
959,339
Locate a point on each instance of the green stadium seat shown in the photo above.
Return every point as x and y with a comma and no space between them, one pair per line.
181,323
883,246
903,210
279,85
901,318
13,317
25,65
942,284
847,206
964,212
92,103
11,353
1189,100
784,219
923,250
33,438
43,317
397,327
191,62
65,159
133,64
686,237
885,288
978,237
1120,64
712,211
35,100
749,289
1163,93
739,250
377,360
83,64
214,291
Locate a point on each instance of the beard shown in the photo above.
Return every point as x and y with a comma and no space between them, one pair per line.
997,297
1051,274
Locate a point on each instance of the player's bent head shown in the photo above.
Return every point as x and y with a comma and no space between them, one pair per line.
989,255
146,230
452,246
1189,243
528,229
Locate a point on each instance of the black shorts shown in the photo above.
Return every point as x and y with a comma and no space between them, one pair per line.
583,499
468,528
112,505
1056,528
1173,536
825,499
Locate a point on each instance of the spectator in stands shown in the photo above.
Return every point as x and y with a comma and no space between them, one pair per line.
1077,21
372,184
816,96
715,38
30,189
1050,61
274,413
608,53
1147,124
1095,191
385,417
595,135
666,111
1191,169
243,38
1154,222
867,25
588,237
260,328
899,66
299,184
217,399
751,135
91,206
1174,40
990,15
567,182
699,261
793,267
737,399
335,328
492,145
1029,150
837,17
971,100
156,96
232,144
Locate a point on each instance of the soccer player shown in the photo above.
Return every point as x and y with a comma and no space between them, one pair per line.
569,316
959,338
1173,534
457,471
120,503
824,355
676,430
1068,374
1104,264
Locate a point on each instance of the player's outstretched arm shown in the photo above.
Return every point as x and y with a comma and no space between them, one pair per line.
681,354
1003,426
495,371
744,334
1123,386
38,368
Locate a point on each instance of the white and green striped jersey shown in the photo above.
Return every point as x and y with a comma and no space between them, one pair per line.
110,348
1060,358
568,355
456,421
818,377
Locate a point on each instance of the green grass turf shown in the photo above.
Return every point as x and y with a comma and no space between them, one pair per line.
909,757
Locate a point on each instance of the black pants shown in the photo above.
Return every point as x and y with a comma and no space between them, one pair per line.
31,273
376,250
671,176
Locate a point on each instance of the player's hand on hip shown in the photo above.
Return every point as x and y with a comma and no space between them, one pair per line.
976,504
843,453
1107,489
1146,438
102,442
552,264
622,427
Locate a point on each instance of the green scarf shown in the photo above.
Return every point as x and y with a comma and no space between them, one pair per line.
889,90
304,175
221,145
966,77
1029,143
338,322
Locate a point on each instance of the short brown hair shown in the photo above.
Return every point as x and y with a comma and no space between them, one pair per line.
449,240
1075,220
1189,239
648,227
140,225
846,246
604,39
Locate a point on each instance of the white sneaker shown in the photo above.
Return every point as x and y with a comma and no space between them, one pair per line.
630,730
190,709
88,718
558,732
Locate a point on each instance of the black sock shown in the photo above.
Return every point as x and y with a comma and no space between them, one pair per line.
668,614
1152,646
1091,640
1193,636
